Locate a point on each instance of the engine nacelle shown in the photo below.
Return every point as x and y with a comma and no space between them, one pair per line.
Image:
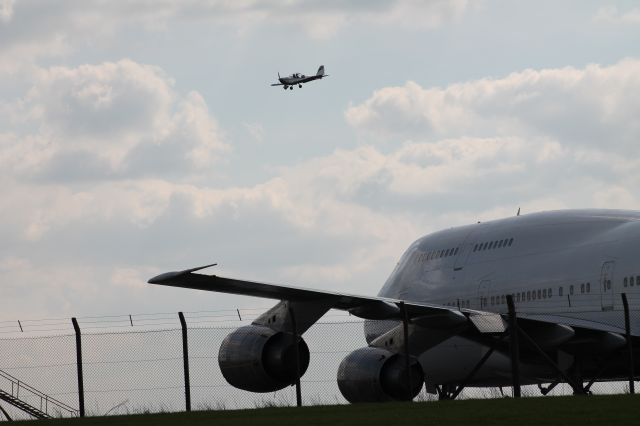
375,375
259,359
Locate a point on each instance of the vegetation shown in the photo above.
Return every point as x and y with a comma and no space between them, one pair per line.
591,410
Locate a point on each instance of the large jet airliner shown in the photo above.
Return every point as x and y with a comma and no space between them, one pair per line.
566,271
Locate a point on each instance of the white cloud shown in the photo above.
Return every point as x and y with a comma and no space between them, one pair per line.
470,151
255,130
6,10
611,15
109,121
30,24
585,107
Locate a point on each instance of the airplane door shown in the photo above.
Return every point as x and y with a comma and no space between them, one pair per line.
606,286
483,293
461,259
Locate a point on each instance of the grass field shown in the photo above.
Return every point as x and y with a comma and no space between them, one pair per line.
591,410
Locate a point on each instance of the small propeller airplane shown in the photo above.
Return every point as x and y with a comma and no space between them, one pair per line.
299,79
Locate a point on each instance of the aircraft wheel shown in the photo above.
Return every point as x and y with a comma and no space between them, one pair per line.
291,88
285,87
300,86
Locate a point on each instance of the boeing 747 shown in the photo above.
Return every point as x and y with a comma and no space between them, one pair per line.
564,270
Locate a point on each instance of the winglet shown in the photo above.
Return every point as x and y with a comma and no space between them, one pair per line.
168,276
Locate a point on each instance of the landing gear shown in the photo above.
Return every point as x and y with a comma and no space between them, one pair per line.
446,392
291,88
300,86
285,87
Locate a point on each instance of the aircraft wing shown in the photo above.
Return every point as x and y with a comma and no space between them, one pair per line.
277,84
361,306
547,330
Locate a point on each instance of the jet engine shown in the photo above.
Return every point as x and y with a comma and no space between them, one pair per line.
259,359
373,375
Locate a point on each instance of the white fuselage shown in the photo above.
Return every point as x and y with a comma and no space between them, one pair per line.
573,264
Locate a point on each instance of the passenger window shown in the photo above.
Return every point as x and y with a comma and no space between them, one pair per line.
544,293
638,279
518,298
475,248
549,293
571,289
456,252
492,300
510,242
528,295
539,293
490,245
560,291
582,288
495,244
588,287
502,300
533,295
631,281
523,295
624,282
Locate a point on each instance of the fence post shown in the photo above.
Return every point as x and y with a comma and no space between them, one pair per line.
514,347
405,336
9,419
627,329
296,354
76,327
185,358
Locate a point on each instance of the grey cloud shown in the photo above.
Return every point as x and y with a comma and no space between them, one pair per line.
29,24
104,101
115,120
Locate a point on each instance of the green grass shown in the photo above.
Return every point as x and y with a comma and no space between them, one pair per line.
584,410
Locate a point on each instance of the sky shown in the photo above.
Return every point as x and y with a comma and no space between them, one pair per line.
143,136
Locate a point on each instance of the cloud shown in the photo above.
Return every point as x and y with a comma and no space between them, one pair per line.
6,10
442,157
611,15
113,120
255,130
578,107
29,26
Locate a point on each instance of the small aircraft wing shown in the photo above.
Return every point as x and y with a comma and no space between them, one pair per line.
360,306
277,84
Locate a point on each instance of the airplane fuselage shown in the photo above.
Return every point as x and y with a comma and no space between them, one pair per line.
573,264
291,81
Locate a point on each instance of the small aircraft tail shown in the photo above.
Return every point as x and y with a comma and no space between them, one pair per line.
320,70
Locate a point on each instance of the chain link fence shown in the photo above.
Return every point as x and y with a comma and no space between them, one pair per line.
135,364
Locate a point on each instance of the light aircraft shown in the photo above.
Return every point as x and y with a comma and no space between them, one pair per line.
299,79
566,271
